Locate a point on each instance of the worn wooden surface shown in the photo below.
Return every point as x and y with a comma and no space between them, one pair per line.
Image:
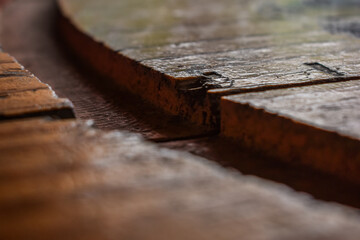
64,179
181,55
317,125
22,94
72,181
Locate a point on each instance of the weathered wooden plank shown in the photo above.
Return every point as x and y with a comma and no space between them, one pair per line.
72,181
22,94
34,102
316,125
188,55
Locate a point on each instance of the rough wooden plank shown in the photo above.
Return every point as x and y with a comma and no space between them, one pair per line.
22,94
191,53
316,125
34,103
83,183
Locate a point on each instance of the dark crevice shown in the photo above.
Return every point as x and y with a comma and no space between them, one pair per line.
13,74
208,80
64,113
232,91
322,68
191,137
8,92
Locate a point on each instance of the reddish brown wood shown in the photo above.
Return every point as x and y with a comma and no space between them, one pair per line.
23,95
72,181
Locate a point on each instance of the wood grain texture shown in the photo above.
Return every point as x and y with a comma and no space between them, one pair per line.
72,181
63,179
317,125
182,55
22,94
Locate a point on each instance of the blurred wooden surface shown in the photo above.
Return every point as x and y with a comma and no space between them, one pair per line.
63,179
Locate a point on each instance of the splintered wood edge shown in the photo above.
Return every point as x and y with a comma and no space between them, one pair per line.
158,88
291,140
